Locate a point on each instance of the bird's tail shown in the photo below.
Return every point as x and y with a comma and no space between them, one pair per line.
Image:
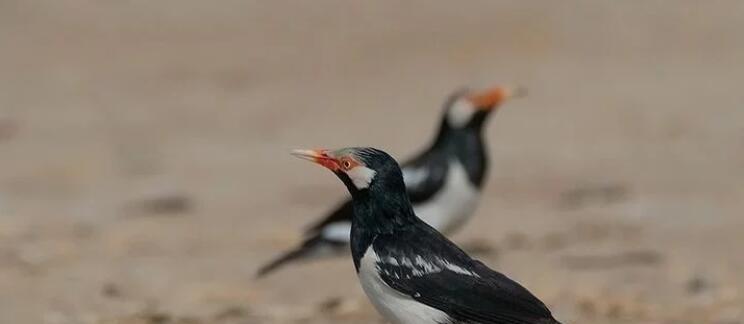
313,247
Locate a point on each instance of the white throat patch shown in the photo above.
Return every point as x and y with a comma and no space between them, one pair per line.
460,113
361,176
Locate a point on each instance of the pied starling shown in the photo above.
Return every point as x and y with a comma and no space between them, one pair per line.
411,273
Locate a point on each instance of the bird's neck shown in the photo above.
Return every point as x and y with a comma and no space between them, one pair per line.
467,146
383,212
378,213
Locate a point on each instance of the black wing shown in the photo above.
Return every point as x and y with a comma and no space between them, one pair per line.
437,273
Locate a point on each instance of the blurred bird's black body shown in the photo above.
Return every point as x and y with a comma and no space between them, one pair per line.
443,182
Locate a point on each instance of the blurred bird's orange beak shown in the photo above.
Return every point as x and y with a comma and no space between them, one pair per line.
492,98
319,156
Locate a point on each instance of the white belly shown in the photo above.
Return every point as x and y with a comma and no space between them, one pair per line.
394,306
449,208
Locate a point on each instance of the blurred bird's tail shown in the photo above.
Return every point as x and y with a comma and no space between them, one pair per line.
313,247
550,320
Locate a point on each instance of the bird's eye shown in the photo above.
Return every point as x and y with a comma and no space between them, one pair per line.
346,164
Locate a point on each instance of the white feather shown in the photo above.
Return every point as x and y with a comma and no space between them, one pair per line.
460,113
338,231
420,267
361,176
414,177
449,208
393,305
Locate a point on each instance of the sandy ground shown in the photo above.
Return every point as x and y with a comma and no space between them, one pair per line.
144,172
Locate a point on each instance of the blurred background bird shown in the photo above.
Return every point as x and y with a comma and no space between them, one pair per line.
444,181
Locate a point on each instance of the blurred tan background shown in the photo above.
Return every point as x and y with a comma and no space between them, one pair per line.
144,172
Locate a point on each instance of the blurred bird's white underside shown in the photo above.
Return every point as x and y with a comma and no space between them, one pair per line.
448,210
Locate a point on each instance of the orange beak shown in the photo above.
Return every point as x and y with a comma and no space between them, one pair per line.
319,156
491,98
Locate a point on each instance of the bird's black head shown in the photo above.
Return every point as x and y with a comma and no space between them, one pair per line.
375,182
362,169
468,109
379,197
